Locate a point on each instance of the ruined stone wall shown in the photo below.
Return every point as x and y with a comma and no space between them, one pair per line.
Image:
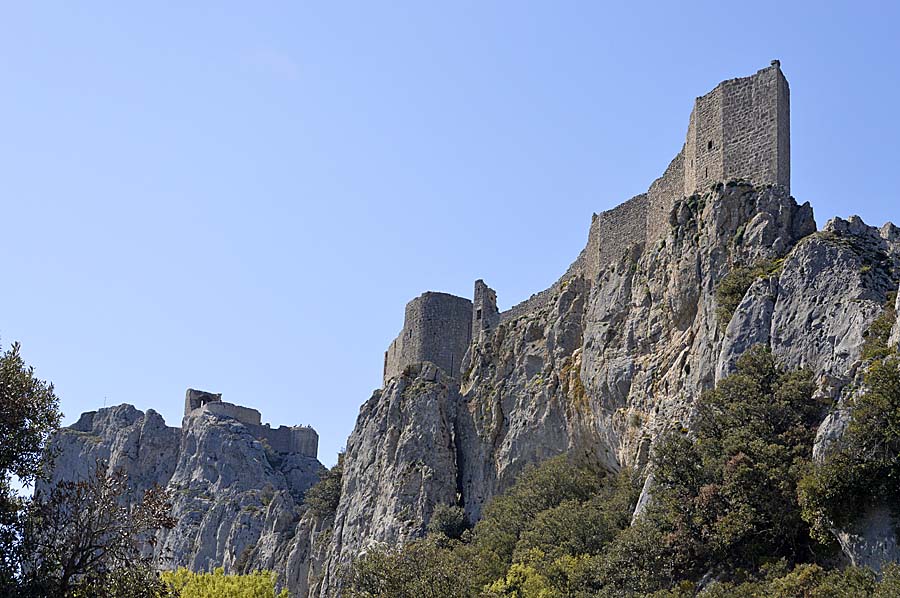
533,303
610,234
616,230
194,399
662,196
703,151
756,128
284,439
740,130
244,415
485,316
288,439
438,328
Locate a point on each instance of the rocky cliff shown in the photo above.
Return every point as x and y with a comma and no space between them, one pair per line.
237,502
603,368
601,364
609,364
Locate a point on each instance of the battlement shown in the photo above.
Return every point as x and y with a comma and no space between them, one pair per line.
437,327
284,439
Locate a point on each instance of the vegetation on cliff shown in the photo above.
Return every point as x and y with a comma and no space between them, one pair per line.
730,510
187,584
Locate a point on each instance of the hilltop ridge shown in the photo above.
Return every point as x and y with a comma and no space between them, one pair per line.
600,365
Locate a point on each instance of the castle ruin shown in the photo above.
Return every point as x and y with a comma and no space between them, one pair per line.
738,131
302,440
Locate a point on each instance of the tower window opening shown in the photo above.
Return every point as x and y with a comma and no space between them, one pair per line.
478,315
709,145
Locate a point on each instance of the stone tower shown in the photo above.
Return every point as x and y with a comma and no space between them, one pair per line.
485,316
741,129
437,327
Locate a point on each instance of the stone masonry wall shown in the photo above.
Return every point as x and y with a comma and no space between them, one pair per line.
194,399
611,233
485,316
284,439
616,230
739,130
437,327
756,128
703,149
244,415
662,195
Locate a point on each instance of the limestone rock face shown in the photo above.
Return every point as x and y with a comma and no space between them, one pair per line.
604,366
816,311
140,444
238,504
895,334
872,540
230,492
399,464
600,365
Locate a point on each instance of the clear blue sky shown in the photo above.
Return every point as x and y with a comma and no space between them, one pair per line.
241,197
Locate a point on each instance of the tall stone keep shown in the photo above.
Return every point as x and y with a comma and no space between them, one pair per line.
741,129
485,316
437,327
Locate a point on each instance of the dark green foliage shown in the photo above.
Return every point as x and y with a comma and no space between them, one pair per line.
426,568
449,521
323,498
539,534
92,538
876,345
724,507
538,489
734,285
29,414
865,469
726,499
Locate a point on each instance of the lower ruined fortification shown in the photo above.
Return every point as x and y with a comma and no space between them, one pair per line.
738,131
285,439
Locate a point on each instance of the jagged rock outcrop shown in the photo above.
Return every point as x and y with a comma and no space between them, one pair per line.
139,444
230,492
602,368
607,365
601,365
399,464
237,503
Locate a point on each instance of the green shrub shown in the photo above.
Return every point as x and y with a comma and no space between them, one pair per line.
865,468
734,285
323,498
876,344
259,584
449,521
